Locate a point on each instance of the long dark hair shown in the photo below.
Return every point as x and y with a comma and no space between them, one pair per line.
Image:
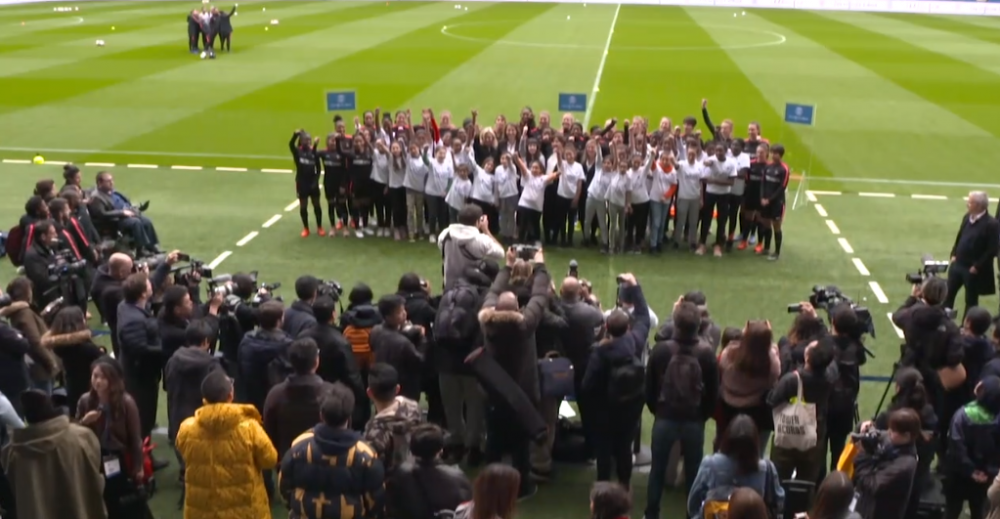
69,320
753,357
494,494
834,497
741,443
609,501
112,372
911,392
805,328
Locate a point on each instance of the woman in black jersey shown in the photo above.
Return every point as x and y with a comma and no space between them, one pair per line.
307,171
752,193
362,187
335,177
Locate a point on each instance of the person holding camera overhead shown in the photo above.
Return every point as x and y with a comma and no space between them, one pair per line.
884,470
976,246
464,244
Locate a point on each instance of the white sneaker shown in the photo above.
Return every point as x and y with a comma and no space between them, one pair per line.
369,231
359,234
432,239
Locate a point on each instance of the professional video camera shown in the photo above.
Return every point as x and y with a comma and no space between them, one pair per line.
828,297
525,251
330,288
223,285
183,273
929,268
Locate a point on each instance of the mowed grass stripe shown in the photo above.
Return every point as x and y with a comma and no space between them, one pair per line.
979,32
561,44
967,91
123,112
378,85
153,51
867,126
44,11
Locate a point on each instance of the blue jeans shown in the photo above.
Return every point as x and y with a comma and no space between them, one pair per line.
658,212
665,433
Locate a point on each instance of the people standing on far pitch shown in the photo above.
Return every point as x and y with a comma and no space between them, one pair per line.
225,26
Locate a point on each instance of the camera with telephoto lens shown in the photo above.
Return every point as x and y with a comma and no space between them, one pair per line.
928,269
150,263
264,293
5,300
574,269
525,251
221,285
66,265
330,288
828,297
48,314
871,441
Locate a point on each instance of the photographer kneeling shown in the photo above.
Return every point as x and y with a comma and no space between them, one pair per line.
885,468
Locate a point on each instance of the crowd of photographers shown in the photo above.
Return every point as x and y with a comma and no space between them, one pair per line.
494,356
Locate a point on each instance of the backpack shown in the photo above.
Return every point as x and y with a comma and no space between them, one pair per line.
682,388
360,340
627,382
844,393
15,245
457,319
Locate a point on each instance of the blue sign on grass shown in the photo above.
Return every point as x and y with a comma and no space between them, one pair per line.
572,102
341,101
796,113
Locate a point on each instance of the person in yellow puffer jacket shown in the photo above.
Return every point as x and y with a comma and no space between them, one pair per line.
225,448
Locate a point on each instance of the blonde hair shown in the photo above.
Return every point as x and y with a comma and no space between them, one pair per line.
520,272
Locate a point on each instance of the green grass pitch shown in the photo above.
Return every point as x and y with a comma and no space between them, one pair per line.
907,122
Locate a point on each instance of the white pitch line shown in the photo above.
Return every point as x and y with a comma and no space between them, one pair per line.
274,219
292,206
99,164
821,210
826,193
833,227
810,196
283,171
846,246
147,153
230,169
877,195
16,161
877,290
600,69
189,168
222,257
928,197
142,166
861,267
246,239
898,331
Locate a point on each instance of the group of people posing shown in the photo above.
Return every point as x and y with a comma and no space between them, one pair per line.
535,182
208,24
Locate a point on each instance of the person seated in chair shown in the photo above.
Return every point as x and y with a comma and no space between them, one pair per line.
107,205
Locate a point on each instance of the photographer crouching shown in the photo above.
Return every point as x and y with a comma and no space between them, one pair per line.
885,468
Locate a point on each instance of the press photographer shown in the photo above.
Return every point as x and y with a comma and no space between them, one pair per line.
400,344
885,468
585,323
238,315
299,316
55,272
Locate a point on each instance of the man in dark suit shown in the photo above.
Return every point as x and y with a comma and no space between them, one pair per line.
107,204
976,246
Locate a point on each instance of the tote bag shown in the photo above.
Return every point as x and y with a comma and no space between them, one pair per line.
795,423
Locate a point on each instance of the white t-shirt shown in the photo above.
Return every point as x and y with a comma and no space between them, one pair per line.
533,195
380,167
620,185
661,184
460,191
441,173
689,179
396,175
484,187
569,179
550,163
598,189
742,162
719,171
639,185
506,180
416,174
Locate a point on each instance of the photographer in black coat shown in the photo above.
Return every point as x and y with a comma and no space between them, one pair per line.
425,486
400,344
140,342
421,309
584,324
336,360
260,350
106,292
38,257
885,468
179,308
299,316
849,355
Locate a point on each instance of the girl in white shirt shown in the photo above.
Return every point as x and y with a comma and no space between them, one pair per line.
415,181
690,173
736,192
551,211
506,176
597,200
396,191
532,201
459,193
660,193
570,189
442,169
484,192
380,193
721,173
619,206
635,225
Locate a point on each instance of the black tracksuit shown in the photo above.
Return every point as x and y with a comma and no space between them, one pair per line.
194,30
307,171
334,180
226,29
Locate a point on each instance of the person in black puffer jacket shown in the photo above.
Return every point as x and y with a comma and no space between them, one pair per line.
356,325
424,487
884,470
421,309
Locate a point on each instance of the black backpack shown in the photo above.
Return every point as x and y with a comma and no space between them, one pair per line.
627,382
457,319
682,388
847,381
